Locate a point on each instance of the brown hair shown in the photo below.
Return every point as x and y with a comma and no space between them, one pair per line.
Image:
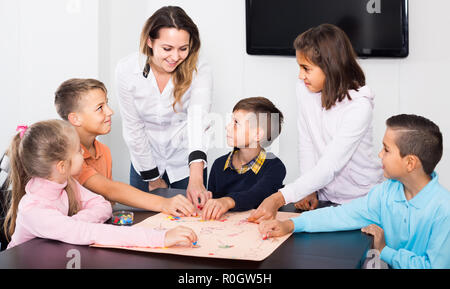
328,47
417,136
69,93
261,105
174,17
33,155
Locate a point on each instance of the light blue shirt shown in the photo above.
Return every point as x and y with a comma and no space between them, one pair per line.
416,231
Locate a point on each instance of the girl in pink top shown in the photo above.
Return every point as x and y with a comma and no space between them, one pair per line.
47,202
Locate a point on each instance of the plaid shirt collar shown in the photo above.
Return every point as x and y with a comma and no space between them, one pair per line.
254,165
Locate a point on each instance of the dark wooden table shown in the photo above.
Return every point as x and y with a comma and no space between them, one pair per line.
303,250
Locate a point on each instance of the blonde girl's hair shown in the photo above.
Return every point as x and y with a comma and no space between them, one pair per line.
173,17
43,144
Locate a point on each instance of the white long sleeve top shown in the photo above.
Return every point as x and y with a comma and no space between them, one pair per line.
335,148
158,138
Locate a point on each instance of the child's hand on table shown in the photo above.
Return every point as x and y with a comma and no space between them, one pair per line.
178,206
180,235
378,236
215,208
310,202
275,228
267,210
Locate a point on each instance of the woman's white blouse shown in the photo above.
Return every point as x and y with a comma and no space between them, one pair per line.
335,148
158,138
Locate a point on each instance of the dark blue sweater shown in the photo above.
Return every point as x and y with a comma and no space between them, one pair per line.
247,190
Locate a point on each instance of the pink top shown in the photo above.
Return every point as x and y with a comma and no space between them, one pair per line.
43,213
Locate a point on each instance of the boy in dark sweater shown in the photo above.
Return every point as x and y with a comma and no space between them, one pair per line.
243,178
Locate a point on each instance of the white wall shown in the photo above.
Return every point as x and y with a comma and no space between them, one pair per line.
107,30
42,44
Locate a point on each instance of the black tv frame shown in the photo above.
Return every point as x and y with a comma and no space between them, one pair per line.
382,53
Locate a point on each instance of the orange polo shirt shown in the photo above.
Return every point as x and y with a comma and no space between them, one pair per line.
101,163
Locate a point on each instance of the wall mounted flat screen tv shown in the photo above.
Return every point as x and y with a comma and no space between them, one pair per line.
376,28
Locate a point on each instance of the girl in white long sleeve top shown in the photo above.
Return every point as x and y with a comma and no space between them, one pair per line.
335,148
335,132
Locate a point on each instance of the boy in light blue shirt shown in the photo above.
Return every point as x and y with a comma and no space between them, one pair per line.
408,215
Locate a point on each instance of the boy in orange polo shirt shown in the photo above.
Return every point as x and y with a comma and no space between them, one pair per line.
83,102
98,163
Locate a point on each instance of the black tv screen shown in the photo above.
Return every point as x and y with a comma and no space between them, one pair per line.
376,28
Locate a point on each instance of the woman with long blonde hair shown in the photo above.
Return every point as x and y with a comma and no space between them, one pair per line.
164,95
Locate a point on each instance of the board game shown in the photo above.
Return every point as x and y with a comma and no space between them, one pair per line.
231,237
